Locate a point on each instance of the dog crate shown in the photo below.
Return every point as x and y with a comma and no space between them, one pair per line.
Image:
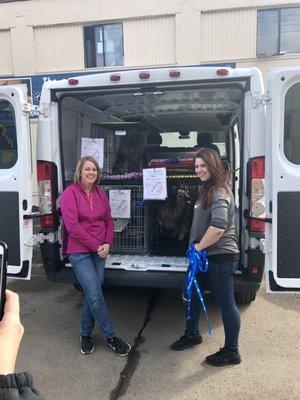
111,144
123,153
171,220
154,227
131,234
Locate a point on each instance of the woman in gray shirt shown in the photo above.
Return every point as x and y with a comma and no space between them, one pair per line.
213,230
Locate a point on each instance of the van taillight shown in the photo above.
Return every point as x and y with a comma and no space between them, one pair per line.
144,75
222,71
174,74
256,176
257,168
47,187
257,226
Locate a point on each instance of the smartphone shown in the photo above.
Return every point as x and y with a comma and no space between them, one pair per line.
3,269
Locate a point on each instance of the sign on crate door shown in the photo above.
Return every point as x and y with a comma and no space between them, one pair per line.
119,201
155,183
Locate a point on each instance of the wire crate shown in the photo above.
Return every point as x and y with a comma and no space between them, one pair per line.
131,235
122,153
111,144
171,220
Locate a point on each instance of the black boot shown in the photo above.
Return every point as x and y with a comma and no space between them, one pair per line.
87,345
186,341
224,357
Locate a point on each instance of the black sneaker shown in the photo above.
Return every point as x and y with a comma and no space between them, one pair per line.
118,346
87,345
224,357
186,341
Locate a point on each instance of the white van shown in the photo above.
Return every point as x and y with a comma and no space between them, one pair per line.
150,118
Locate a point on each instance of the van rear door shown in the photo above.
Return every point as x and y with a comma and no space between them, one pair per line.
15,179
283,180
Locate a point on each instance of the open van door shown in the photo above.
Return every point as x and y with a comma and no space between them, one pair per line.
283,181
15,179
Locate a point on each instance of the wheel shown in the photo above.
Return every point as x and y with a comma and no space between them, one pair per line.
77,286
245,297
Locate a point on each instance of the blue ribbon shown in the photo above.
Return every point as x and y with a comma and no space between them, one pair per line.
197,263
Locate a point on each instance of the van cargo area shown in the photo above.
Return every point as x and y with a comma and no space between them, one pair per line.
152,127
142,123
160,127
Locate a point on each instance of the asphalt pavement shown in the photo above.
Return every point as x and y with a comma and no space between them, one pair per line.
150,320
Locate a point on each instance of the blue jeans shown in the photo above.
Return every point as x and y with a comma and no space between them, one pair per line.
89,269
219,278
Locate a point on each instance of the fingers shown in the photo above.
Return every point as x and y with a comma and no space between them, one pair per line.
11,318
11,307
102,254
103,250
11,333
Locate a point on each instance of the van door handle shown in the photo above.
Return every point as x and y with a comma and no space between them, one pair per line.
35,215
247,216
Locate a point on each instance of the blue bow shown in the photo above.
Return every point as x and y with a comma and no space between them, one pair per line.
197,263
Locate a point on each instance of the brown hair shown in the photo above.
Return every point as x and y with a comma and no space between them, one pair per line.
219,177
79,166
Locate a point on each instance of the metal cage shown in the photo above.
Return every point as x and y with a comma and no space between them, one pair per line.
131,235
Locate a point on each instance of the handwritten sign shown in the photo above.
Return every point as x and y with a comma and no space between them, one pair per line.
94,148
119,201
155,183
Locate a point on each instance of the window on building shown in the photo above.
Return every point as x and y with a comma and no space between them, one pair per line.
103,45
278,31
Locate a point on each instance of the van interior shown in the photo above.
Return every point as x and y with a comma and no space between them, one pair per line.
152,127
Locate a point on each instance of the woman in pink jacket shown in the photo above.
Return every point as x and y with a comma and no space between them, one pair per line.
89,234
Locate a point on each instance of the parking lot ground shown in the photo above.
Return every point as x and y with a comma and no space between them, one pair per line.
151,320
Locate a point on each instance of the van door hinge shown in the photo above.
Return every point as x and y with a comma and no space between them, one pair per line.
34,111
264,100
41,238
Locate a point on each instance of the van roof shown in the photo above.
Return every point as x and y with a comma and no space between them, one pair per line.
142,76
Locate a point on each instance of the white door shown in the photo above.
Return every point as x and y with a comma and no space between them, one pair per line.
15,180
283,181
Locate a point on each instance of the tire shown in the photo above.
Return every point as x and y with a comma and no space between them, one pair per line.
245,297
78,287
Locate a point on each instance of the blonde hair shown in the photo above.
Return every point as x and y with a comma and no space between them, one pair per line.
79,166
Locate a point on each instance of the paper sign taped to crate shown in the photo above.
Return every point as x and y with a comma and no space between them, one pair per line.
119,201
155,183
94,148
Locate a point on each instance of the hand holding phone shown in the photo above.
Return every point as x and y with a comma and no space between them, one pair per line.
11,333
11,329
3,270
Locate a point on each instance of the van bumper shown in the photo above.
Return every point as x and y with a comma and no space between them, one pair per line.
56,271
156,279
150,279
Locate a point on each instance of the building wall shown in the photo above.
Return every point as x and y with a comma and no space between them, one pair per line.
228,34
149,41
58,47
6,66
46,36
40,36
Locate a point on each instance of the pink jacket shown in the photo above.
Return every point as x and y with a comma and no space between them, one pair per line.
87,219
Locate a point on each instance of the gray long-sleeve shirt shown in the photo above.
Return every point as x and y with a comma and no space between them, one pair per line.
220,214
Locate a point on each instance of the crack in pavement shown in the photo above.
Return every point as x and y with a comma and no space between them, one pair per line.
134,356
